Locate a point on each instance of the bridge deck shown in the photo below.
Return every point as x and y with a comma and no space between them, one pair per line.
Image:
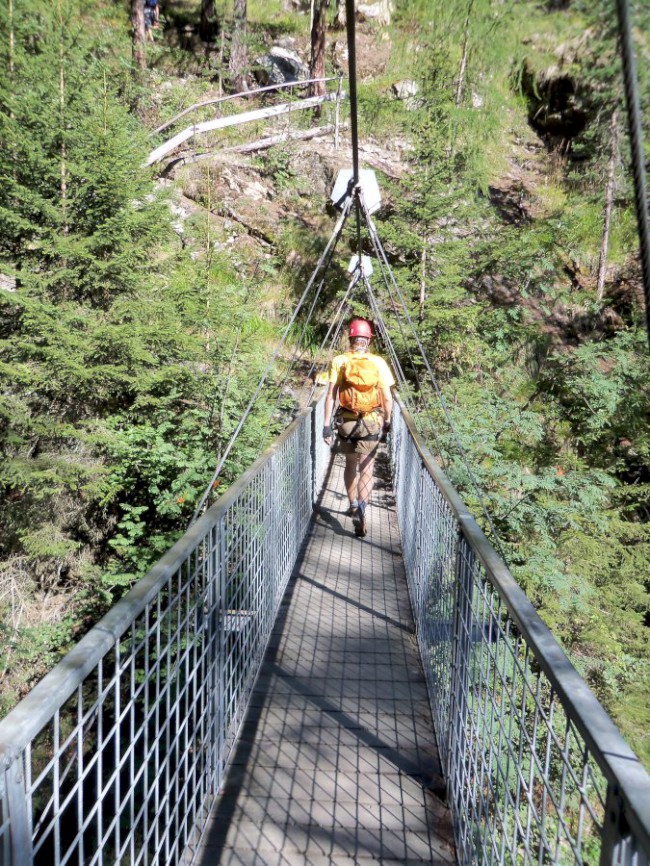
337,762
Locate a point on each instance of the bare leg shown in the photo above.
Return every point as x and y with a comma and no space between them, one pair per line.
365,484
350,475
364,489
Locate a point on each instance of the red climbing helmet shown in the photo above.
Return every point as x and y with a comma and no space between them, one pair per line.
360,328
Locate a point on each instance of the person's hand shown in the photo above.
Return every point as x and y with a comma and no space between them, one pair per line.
328,434
385,430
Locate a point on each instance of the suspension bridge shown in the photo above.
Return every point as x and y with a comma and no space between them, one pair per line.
279,691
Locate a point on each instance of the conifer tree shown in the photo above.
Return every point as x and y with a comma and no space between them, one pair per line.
317,55
238,48
138,36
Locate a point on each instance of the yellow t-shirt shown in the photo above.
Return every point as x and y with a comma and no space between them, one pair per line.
386,378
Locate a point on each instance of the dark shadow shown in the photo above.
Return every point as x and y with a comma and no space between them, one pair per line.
418,763
431,780
356,604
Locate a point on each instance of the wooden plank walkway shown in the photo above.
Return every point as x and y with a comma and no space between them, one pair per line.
337,763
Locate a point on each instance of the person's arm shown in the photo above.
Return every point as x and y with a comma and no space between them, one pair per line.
387,403
330,399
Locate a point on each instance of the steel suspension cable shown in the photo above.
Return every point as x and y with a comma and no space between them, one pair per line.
292,364
398,368
399,323
381,255
337,320
323,262
381,325
430,427
332,343
636,145
297,349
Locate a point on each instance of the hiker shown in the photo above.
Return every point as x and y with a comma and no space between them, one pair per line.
361,381
151,17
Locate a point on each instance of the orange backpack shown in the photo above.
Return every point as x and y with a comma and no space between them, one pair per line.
359,389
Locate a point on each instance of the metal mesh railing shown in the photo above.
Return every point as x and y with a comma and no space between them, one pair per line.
536,771
115,757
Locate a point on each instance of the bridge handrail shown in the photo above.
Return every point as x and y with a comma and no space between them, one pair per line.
629,783
27,718
242,93
144,711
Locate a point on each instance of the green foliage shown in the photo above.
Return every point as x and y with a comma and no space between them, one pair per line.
549,407
124,362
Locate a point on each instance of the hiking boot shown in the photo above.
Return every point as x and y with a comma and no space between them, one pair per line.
352,510
360,526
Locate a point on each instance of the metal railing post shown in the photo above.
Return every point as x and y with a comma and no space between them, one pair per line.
337,113
20,831
616,831
456,723
220,643
212,638
314,457
273,555
419,570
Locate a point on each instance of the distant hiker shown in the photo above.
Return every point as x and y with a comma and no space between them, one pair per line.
361,381
151,16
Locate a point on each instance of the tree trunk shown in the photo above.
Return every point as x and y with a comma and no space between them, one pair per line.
138,35
10,23
340,18
317,58
423,282
238,50
209,21
460,84
12,50
63,165
609,205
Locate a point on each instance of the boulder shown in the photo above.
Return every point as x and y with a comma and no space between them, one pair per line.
280,66
405,89
7,282
407,92
381,12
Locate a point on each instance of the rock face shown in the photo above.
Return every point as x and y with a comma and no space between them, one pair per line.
557,110
405,89
407,92
296,5
381,12
7,282
280,66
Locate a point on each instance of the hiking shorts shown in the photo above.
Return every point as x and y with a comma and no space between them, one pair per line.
371,425
364,447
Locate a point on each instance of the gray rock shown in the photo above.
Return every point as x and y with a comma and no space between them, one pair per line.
287,42
405,89
280,66
381,12
7,283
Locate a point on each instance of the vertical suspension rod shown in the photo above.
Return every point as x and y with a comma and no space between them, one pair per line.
636,146
352,79
354,126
